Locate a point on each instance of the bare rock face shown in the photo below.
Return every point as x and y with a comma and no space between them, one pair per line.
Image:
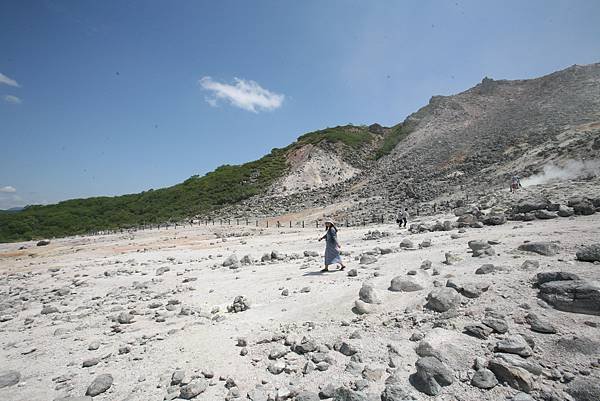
590,253
578,296
584,389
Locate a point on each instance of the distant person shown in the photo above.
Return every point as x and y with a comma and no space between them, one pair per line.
403,217
332,247
515,183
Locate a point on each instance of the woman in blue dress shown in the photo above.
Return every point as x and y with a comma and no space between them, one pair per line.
332,247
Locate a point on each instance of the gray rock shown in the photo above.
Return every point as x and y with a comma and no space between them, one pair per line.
347,349
75,398
478,330
538,325
306,396
100,384
125,318
426,265
327,392
367,294
494,219
232,262
276,367
367,259
442,299
530,265
522,397
590,253
240,304
345,394
94,345
43,242
545,214
48,309
516,377
401,284
565,211
406,243
192,389
478,245
498,325
431,375
9,378
177,377
162,270
541,248
90,362
363,308
452,259
395,392
547,277
578,296
584,389
352,273
484,378
514,345
305,346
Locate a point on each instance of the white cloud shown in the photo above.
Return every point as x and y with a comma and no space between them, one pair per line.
12,99
8,189
8,81
247,95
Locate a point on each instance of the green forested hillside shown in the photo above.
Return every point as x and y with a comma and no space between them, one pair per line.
197,195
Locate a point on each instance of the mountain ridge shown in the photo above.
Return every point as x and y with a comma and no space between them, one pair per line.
476,138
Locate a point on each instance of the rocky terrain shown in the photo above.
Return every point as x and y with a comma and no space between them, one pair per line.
461,145
496,298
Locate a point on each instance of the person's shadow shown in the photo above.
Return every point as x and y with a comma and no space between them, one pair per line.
319,273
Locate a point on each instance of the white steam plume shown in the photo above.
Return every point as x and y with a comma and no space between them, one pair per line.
570,170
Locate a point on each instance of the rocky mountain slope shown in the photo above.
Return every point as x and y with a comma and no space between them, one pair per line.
454,146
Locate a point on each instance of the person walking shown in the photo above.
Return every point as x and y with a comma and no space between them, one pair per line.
403,217
332,247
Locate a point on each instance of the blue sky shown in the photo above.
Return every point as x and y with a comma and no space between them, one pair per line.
113,97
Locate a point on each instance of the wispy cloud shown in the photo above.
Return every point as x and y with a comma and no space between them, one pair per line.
8,189
245,94
8,81
12,99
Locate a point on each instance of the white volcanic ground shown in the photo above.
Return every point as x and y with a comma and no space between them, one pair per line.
91,280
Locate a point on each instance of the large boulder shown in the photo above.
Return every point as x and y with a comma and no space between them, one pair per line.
443,299
431,375
510,373
578,296
541,248
494,219
546,277
590,253
232,262
192,389
545,214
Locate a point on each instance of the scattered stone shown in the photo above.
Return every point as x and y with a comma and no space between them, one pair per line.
367,294
484,378
162,270
100,384
401,284
406,243
479,330
43,242
240,304
48,309
431,375
452,259
9,378
590,253
514,345
232,262
177,377
539,325
191,390
442,299
367,259
352,273
541,248
584,389
125,318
